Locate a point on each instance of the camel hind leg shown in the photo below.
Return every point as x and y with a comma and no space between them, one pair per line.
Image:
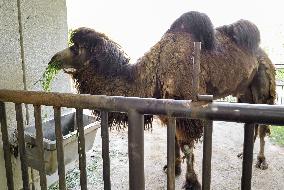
261,161
263,91
191,182
178,159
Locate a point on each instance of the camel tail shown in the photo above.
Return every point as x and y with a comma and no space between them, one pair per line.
198,25
244,33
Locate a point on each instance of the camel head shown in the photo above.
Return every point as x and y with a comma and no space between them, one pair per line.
84,44
89,48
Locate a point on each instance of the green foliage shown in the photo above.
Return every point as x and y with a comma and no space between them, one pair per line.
280,74
277,135
50,72
70,31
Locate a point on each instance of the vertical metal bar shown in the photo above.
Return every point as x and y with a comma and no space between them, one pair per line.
247,156
39,144
59,148
207,155
81,149
21,40
196,69
171,130
22,148
6,147
105,150
136,150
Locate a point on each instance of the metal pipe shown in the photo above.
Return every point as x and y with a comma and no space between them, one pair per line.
136,150
81,149
6,147
239,112
22,148
196,70
39,144
22,50
247,156
207,155
105,150
171,131
59,148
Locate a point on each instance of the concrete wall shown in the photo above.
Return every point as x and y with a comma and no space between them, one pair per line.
44,33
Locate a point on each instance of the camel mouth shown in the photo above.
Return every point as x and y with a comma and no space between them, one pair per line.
69,70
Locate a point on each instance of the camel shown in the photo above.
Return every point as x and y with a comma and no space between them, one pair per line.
232,63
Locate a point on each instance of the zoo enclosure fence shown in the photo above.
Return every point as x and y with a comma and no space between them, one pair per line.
136,108
279,86
279,92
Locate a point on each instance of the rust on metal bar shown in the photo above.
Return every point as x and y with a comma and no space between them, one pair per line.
6,147
136,150
238,112
59,148
171,130
196,69
81,149
247,156
105,150
207,155
22,148
39,144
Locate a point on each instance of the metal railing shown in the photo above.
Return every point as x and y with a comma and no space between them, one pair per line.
200,108
279,92
136,108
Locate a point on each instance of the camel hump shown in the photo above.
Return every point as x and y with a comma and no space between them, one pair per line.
198,25
244,33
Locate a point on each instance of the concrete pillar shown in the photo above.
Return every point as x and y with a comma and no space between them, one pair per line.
25,52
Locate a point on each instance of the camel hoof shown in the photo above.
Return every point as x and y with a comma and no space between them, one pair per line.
189,185
177,170
261,164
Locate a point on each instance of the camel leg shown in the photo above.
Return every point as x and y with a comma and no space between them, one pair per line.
191,182
240,155
178,159
261,161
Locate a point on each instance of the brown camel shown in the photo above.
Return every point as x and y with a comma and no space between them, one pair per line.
232,63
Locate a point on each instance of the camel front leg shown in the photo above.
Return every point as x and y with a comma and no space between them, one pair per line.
191,182
261,161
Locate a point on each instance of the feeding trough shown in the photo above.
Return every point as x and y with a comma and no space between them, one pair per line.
70,144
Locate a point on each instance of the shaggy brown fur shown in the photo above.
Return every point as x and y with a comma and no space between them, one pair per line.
231,64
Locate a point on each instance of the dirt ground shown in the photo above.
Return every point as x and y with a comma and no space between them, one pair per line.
226,166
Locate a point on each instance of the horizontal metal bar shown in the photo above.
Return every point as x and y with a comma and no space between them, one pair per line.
240,112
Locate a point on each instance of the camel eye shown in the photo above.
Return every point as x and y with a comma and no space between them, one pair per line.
74,49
